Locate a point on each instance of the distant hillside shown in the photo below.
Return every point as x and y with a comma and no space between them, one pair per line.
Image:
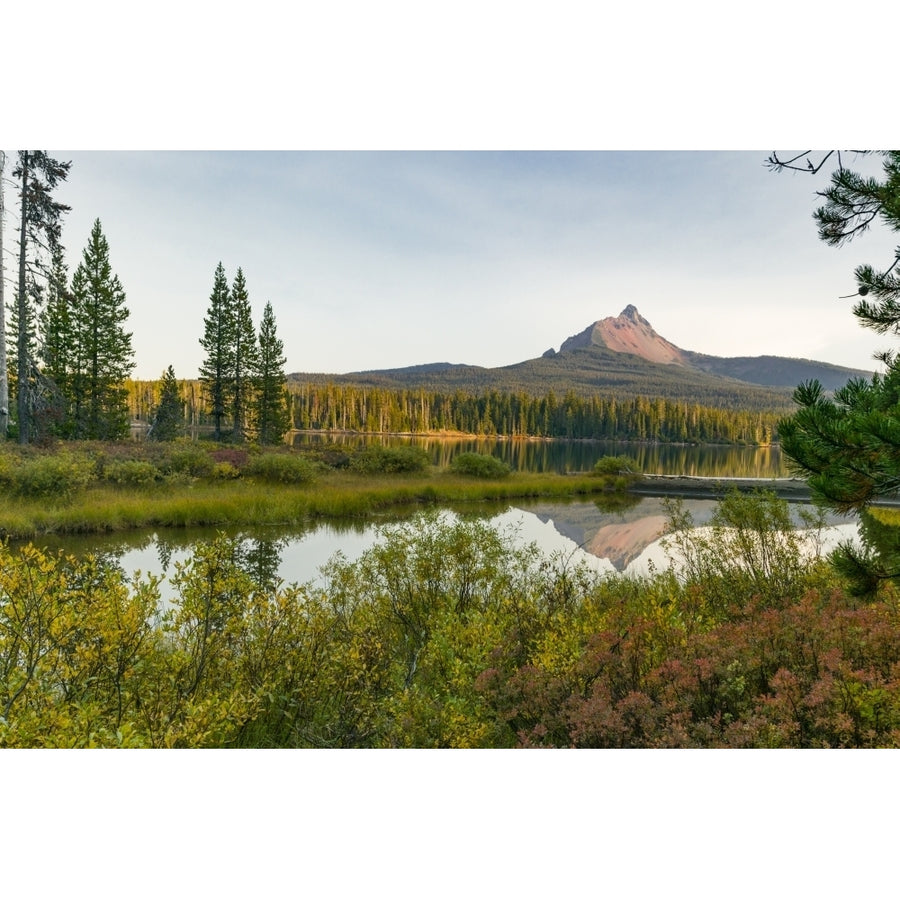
425,369
775,371
618,356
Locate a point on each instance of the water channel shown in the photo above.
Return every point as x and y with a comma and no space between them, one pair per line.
624,538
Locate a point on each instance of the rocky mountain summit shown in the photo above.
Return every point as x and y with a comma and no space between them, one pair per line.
631,333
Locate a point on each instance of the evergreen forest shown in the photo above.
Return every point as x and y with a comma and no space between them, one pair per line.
343,407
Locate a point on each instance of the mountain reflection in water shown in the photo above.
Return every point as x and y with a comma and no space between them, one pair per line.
627,540
624,538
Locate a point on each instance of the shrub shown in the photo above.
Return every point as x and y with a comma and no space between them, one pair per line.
7,468
615,465
479,465
751,548
54,477
131,472
191,460
281,468
386,460
234,457
225,471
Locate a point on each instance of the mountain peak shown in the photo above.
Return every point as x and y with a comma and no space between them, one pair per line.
629,332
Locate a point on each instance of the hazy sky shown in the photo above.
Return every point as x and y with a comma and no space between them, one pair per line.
383,259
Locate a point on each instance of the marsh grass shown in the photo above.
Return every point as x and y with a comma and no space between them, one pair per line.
185,502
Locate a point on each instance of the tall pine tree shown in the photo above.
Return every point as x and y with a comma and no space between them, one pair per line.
244,357
105,357
271,414
57,338
847,444
218,342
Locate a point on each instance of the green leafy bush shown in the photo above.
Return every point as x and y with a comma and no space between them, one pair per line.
388,460
615,465
617,472
281,468
56,477
131,472
225,471
191,460
479,465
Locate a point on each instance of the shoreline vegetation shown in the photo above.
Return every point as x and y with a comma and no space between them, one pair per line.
444,634
94,487
139,429
450,635
89,487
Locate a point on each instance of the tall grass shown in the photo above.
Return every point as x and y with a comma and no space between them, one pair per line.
104,507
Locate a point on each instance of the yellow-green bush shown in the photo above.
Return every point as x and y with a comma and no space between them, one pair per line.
479,465
131,473
281,468
55,477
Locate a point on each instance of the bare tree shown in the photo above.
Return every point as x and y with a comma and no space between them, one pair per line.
4,375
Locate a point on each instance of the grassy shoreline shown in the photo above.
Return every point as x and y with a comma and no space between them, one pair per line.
104,508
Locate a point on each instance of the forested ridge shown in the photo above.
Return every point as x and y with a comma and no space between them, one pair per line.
585,371
344,407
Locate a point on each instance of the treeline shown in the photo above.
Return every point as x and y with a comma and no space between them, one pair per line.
335,407
349,408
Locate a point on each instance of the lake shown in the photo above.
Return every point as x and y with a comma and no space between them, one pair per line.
532,455
606,536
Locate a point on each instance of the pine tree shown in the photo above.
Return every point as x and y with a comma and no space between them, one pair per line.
168,420
218,342
16,334
57,337
244,357
271,415
58,349
39,236
104,354
847,445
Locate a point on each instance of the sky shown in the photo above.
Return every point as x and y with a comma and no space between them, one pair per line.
395,258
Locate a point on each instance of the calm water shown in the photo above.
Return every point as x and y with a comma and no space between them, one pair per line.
622,539
580,456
